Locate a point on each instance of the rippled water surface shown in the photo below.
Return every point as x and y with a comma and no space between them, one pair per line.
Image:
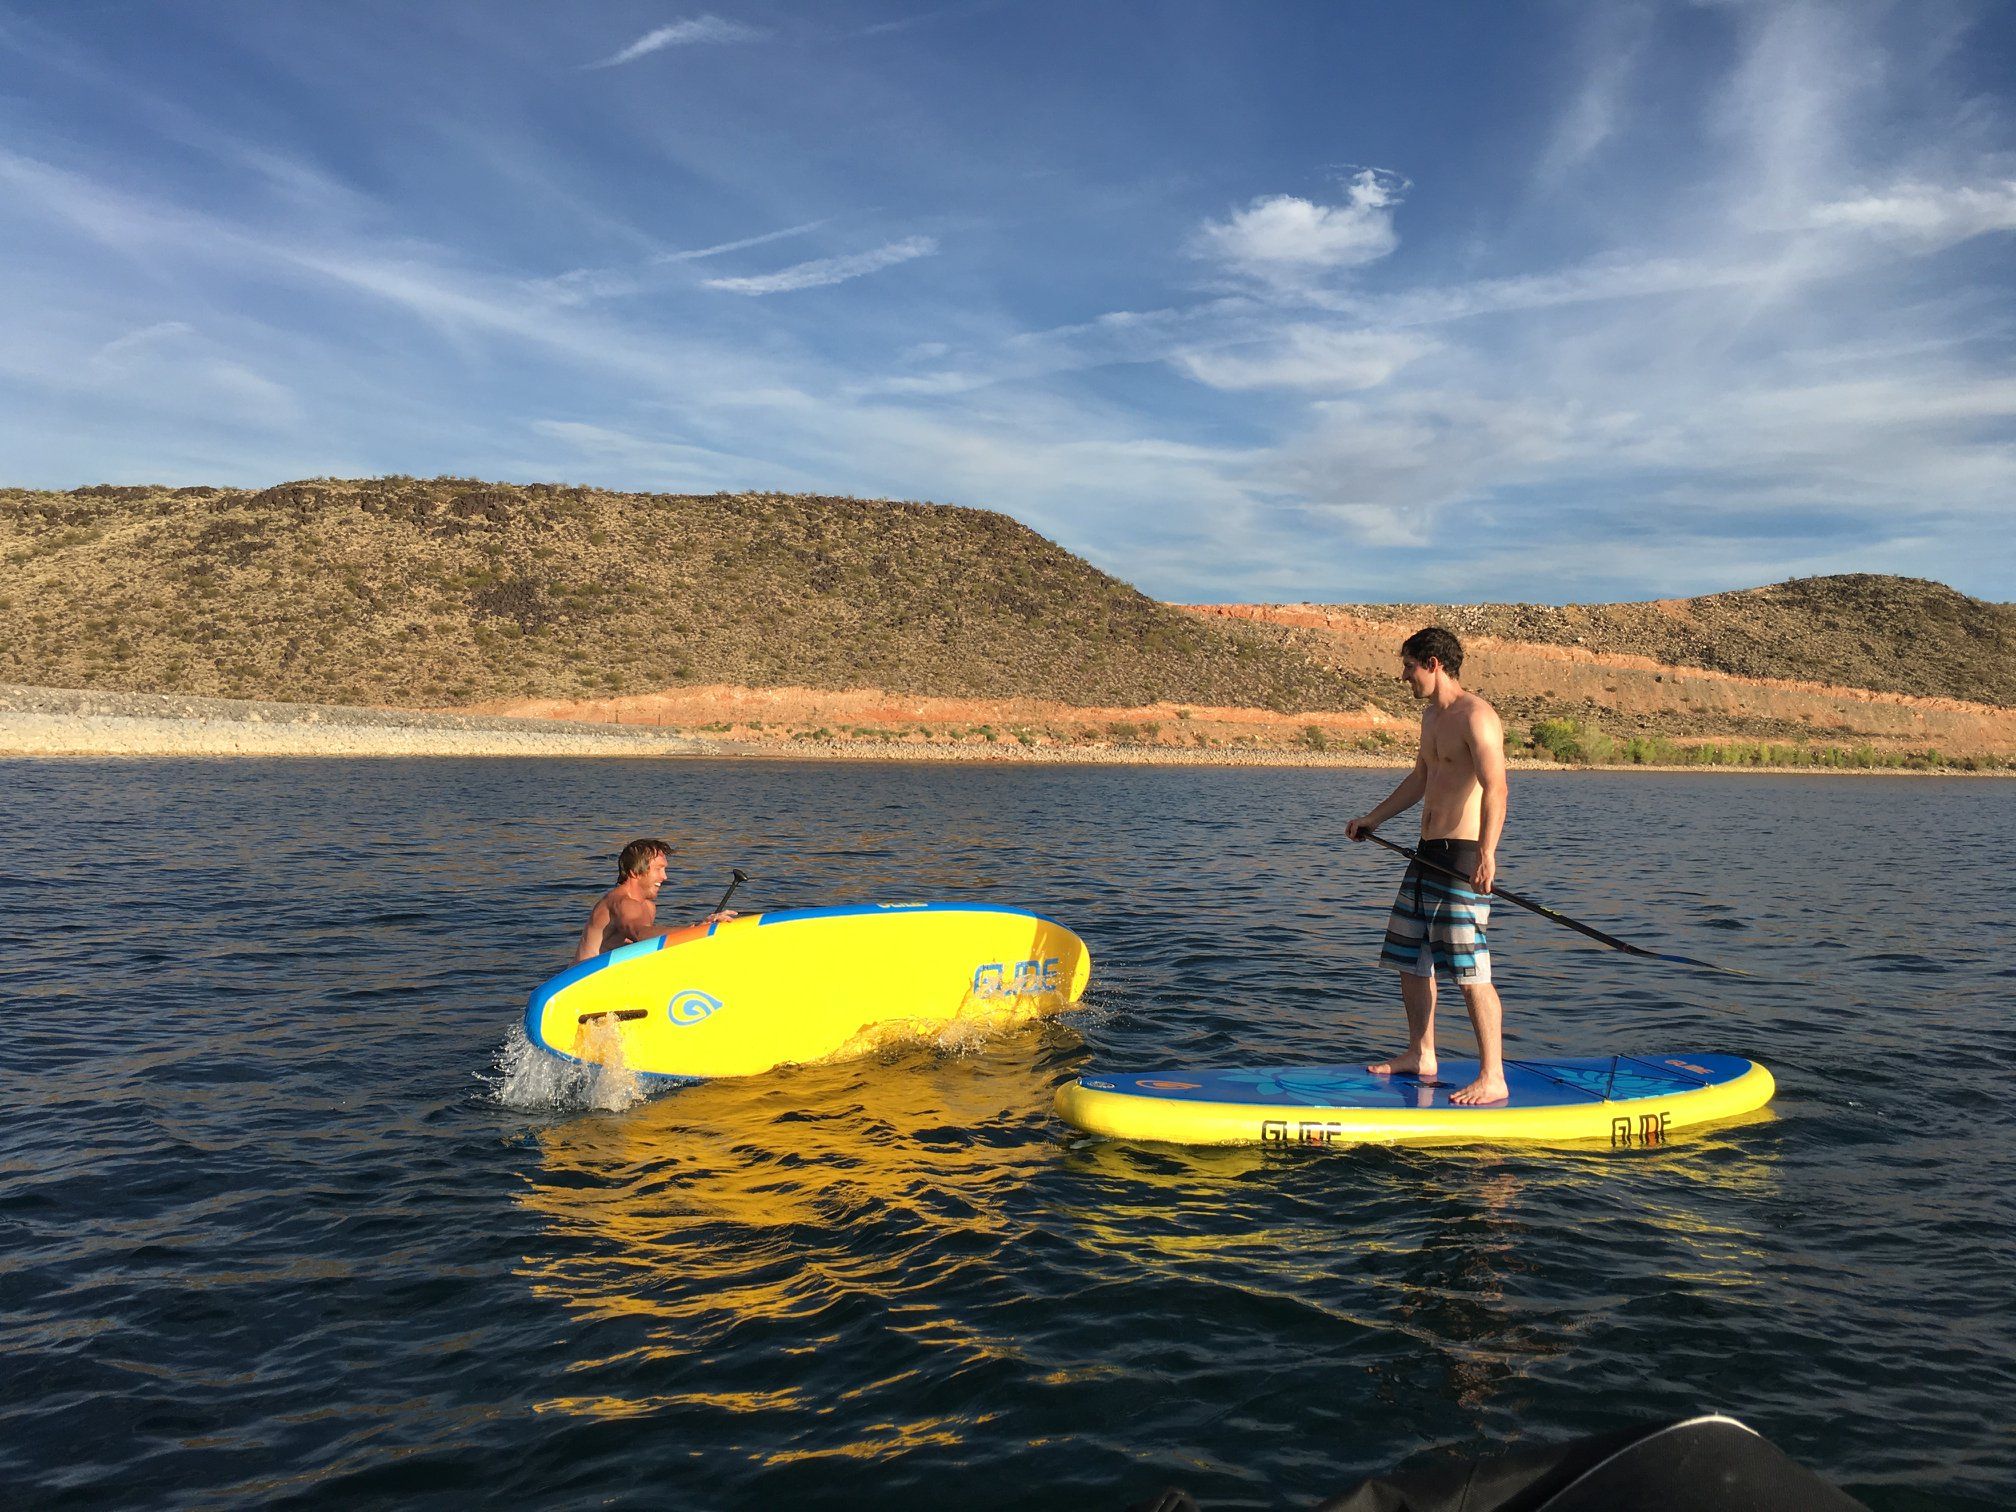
285,1218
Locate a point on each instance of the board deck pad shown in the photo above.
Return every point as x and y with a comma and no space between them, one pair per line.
1628,1100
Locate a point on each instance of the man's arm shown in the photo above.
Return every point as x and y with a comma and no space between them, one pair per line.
1401,799
1487,748
594,934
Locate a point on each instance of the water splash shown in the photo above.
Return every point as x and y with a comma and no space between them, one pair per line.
527,1078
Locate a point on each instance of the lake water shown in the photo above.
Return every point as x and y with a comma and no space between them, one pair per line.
285,1218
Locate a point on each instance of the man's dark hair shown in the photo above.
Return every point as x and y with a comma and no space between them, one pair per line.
637,856
1435,642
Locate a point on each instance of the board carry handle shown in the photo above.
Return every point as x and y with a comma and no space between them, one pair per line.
1547,913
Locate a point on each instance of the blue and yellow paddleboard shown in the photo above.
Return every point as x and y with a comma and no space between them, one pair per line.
1624,1100
805,984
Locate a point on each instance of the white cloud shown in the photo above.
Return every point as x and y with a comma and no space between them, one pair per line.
1279,238
1306,356
682,34
829,270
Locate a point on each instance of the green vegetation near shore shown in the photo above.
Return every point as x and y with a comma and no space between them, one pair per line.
1579,743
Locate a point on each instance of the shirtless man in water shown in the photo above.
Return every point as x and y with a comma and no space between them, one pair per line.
1459,780
629,910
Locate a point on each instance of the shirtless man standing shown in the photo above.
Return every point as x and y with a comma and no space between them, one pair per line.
628,910
1460,773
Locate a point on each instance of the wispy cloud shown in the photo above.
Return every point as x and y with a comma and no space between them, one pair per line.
1611,54
927,18
718,248
1307,357
582,284
1932,215
682,34
830,270
116,350
657,461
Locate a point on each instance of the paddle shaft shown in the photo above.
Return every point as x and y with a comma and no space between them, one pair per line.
738,877
1547,913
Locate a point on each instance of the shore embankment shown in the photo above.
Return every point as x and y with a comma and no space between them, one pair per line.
60,722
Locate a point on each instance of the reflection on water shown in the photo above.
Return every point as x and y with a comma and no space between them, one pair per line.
1452,1251
736,1210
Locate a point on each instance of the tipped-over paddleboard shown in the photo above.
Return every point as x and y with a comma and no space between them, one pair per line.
805,984
1626,1100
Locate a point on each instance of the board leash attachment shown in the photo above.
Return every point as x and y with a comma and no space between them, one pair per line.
1547,913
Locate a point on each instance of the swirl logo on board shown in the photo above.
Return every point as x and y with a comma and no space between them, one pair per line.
691,1006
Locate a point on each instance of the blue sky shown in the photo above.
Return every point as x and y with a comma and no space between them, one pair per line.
1248,300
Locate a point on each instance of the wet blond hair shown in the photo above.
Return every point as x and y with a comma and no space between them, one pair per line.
637,856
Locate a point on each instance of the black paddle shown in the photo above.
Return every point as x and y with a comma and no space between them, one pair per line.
1547,913
740,877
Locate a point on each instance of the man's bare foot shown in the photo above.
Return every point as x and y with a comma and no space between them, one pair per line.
1486,1089
1409,1064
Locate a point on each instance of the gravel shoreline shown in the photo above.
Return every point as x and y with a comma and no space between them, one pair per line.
82,722
73,722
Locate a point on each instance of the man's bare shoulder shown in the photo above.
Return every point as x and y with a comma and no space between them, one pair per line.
1475,713
1468,713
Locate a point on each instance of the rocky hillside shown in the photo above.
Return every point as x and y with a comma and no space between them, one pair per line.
449,592
1859,630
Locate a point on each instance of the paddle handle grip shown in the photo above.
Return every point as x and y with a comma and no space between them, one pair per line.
737,878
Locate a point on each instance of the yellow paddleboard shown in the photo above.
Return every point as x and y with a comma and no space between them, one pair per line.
805,984
1631,1101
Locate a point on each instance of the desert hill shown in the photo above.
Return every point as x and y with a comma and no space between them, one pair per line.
1891,667
860,622
408,593
1856,630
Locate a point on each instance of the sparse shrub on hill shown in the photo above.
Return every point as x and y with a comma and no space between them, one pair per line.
450,591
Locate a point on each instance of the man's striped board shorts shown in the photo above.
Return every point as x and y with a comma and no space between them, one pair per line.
1438,921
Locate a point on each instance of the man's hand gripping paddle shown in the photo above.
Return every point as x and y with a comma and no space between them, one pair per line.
1562,919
